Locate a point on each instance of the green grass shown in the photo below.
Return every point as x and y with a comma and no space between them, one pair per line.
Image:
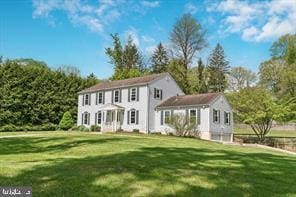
272,133
85,164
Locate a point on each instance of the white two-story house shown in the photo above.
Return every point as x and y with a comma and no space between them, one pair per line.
147,103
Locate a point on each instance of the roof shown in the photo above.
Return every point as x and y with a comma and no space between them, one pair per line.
184,100
123,83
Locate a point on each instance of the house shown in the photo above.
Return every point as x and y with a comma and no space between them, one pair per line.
147,103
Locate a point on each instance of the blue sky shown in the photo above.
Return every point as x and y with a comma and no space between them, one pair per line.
77,32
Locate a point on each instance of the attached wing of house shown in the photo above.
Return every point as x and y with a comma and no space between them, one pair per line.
146,103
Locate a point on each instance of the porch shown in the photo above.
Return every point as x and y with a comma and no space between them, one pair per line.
111,117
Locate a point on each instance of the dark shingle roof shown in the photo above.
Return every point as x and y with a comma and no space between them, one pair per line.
123,83
183,100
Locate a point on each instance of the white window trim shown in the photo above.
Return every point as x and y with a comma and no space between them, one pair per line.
87,119
99,112
131,117
131,93
218,115
195,115
88,96
228,113
100,93
164,122
118,96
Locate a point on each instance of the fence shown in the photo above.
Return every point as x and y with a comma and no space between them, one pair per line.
275,126
286,143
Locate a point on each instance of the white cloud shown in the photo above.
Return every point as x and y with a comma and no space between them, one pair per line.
150,49
95,16
190,8
257,20
132,32
151,4
147,38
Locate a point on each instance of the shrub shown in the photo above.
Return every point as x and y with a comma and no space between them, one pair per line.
66,121
95,128
183,126
75,128
136,131
8,128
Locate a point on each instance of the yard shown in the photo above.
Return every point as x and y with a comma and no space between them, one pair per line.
272,133
86,164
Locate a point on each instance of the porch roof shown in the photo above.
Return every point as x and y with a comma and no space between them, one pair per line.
110,106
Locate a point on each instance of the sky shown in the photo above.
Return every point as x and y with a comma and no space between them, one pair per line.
76,33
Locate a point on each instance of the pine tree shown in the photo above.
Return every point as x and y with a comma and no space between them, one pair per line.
201,78
159,60
66,121
218,68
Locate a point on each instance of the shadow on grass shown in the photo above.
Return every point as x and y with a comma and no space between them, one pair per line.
21,145
164,171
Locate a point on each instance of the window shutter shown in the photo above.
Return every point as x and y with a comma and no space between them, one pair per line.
97,98
120,91
137,117
229,118
89,100
172,113
103,117
96,118
225,115
103,99
138,92
112,95
128,117
186,115
83,100
81,119
160,94
88,118
154,92
198,116
128,95
219,116
161,117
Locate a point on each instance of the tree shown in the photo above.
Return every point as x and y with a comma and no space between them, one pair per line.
125,59
187,38
285,48
178,72
218,68
202,77
159,59
66,121
183,126
241,78
256,107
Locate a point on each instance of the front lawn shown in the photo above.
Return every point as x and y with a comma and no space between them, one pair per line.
85,164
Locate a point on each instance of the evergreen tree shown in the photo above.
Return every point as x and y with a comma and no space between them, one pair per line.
159,60
218,68
201,77
127,60
66,121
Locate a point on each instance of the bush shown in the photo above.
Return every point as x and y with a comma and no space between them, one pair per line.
8,128
66,121
95,128
75,128
136,131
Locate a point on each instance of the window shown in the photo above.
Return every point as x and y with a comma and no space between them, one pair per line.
227,118
167,117
216,116
86,99
116,96
133,117
99,117
193,116
100,97
157,93
133,94
86,118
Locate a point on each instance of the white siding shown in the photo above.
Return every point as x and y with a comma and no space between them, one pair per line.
140,105
169,88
